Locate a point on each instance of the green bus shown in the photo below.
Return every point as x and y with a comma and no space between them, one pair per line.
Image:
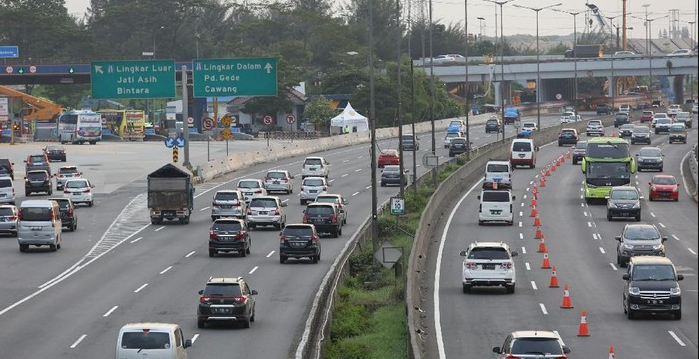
607,163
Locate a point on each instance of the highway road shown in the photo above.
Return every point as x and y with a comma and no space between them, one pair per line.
580,241
118,268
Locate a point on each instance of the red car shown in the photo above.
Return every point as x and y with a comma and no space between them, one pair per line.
647,116
663,187
388,157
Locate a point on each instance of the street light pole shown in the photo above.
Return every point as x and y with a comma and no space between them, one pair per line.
480,28
575,55
502,65
372,119
399,111
538,74
466,87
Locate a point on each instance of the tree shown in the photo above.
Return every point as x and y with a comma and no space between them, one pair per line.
320,111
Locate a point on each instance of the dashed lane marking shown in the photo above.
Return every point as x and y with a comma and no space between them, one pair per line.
355,193
602,250
75,344
110,311
675,237
613,266
190,254
543,308
677,339
165,270
140,288
137,239
157,229
691,251
270,254
253,270
534,285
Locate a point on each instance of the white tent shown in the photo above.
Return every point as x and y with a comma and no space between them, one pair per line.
349,118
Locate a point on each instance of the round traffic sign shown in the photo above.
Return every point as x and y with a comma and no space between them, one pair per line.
208,123
32,69
226,121
226,133
9,69
267,120
190,120
559,96
290,119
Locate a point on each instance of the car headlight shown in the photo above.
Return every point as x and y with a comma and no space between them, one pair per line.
657,247
675,291
611,205
634,291
628,246
637,205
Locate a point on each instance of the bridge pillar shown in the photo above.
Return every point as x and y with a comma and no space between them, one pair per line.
507,92
610,89
677,87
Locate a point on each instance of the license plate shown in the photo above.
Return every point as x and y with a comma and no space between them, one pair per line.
248,193
36,228
262,212
495,211
76,193
2,195
488,266
276,182
298,244
312,191
497,179
220,310
655,301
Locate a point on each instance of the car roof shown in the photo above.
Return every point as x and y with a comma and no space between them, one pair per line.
624,188
36,203
329,195
35,171
266,197
502,161
59,199
315,204
314,177
8,206
651,260
663,176
284,171
228,191
490,244
250,179
534,333
224,280
149,325
298,225
641,225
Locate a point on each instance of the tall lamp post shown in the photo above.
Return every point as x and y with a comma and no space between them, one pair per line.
538,74
575,55
649,22
466,88
480,27
502,65
612,83
372,119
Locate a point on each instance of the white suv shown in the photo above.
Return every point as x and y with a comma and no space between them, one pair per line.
315,167
488,264
532,344
251,188
79,190
311,187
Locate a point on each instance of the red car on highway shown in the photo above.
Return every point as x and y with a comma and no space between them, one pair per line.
647,116
663,187
388,157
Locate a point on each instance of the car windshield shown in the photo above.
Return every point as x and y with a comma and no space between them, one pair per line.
327,199
648,113
660,115
313,182
663,121
226,196
664,180
391,169
674,128
223,289
64,170
36,175
536,346
607,171
35,213
653,272
231,226
452,134
312,161
608,149
641,129
623,194
529,125
492,122
248,184
568,114
37,159
145,340
304,231
496,167
263,202
319,210
641,233
62,203
455,123
627,127
650,152
54,148
495,196
76,184
488,253
276,175
390,153
520,146
408,138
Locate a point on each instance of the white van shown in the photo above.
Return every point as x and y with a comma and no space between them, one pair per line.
498,174
7,190
523,152
151,340
39,224
496,206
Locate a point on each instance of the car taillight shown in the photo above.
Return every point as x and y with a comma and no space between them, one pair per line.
241,234
282,239
212,234
203,299
510,356
274,212
12,218
214,204
305,218
86,190
59,175
283,179
333,218
471,265
314,239
70,211
240,299
268,178
325,188
259,190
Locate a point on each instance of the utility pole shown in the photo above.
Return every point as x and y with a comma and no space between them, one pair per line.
372,119
399,111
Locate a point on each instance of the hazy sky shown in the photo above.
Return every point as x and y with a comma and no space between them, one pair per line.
523,21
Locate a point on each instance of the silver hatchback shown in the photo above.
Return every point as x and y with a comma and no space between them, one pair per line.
311,187
228,203
266,211
279,180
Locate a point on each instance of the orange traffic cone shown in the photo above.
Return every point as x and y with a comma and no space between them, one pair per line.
553,167
548,171
563,159
533,204
554,278
568,155
613,134
566,297
538,234
611,352
537,221
582,332
542,247
558,162
535,190
542,183
534,212
546,264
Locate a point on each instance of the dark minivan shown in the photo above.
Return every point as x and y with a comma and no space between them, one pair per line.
299,240
650,286
410,142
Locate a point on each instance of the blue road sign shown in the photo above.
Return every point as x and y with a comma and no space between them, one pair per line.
180,142
671,95
170,142
9,52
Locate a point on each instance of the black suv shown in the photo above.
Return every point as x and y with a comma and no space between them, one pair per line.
229,235
7,167
568,136
68,215
325,217
650,286
458,146
579,151
621,118
38,162
603,109
226,300
493,125
299,241
37,181
624,201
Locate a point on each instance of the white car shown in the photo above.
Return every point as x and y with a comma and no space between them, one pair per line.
673,109
251,188
568,117
79,190
530,126
315,167
488,264
311,187
279,180
681,52
656,116
695,107
449,137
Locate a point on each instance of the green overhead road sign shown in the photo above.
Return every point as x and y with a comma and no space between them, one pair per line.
234,77
133,79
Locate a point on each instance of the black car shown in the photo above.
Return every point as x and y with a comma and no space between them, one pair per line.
650,286
626,130
325,217
38,162
226,300
37,181
640,134
299,241
457,146
624,201
68,215
568,136
55,153
7,167
639,239
229,235
603,109
579,151
410,142
493,125
650,158
391,175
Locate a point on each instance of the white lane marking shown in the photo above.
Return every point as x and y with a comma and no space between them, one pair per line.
602,250
661,224
165,270
524,250
525,196
534,285
355,193
589,224
528,188
204,209
530,182
357,170
345,175
253,270
585,213
675,237
367,187
594,235
195,337
581,196
652,214
270,254
520,213
140,288
345,161
521,236
677,339
520,224
137,239
522,204
331,181
157,229
691,251
360,157
75,344
110,311
190,254
526,265
438,275
613,266
543,308
582,204
686,188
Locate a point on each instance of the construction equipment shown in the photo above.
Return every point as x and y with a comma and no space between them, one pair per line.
37,108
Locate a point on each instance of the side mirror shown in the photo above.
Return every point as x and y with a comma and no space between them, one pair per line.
253,292
680,276
304,211
625,276
25,161
650,183
291,177
496,350
678,185
200,292
566,350
479,197
618,238
640,197
462,253
663,239
188,343
514,253
344,201
637,155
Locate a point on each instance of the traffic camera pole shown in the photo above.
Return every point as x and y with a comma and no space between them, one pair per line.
185,116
